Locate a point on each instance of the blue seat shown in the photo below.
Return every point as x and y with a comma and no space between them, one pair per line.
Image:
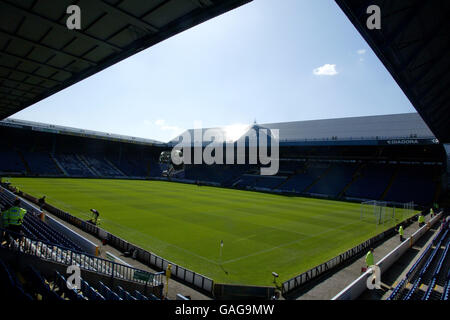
71,294
125,295
140,296
40,286
108,293
90,292
10,287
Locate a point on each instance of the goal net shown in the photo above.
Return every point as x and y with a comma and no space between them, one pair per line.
408,209
379,212
376,212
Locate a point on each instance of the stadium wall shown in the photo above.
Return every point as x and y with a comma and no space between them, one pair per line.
357,287
241,292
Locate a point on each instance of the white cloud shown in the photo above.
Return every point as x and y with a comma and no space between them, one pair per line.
326,70
361,51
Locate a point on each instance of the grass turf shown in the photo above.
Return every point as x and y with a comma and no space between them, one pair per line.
185,223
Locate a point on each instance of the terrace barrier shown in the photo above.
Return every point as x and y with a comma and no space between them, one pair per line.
59,254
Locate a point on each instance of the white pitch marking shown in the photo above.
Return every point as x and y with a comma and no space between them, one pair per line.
285,244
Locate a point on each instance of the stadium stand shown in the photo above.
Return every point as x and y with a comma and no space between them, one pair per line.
302,180
336,179
100,166
73,166
223,174
10,162
353,158
252,181
41,163
371,181
428,277
412,183
34,286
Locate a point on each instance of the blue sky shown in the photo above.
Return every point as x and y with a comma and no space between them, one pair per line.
269,61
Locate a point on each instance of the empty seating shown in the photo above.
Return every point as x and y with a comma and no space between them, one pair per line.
427,272
300,181
73,166
258,181
10,286
371,183
413,183
125,295
101,165
40,163
37,287
10,162
335,180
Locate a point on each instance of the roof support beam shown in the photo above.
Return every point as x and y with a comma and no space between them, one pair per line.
11,102
404,23
14,95
435,81
2,85
42,46
29,74
32,61
429,38
124,16
25,83
444,54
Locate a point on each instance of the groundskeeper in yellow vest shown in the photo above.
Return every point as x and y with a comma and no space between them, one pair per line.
13,216
421,219
369,258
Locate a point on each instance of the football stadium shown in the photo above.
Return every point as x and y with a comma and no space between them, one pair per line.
136,223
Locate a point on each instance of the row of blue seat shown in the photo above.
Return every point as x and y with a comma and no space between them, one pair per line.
10,286
36,287
426,272
426,267
50,234
446,293
436,272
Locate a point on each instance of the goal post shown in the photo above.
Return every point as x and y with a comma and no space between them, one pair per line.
376,212
380,212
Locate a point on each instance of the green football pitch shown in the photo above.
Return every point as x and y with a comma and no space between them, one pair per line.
261,233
